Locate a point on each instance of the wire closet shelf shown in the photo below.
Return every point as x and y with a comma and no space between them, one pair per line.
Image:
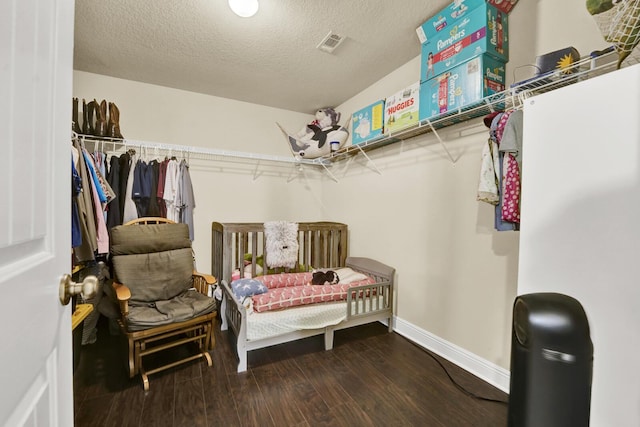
513,97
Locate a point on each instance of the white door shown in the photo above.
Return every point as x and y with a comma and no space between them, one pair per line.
36,66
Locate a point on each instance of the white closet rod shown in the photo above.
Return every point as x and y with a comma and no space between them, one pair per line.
202,151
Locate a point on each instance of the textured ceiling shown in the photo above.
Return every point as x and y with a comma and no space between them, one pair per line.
269,59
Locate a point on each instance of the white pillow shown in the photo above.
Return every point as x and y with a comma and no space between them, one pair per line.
347,275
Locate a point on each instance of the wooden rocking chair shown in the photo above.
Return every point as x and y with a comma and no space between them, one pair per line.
163,302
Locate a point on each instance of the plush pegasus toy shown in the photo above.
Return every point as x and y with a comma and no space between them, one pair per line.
320,137
619,24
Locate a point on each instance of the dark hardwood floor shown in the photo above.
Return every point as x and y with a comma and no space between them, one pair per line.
370,378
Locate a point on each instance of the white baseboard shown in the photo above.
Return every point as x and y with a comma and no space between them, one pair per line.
481,368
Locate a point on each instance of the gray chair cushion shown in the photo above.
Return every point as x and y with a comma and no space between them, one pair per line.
154,261
180,308
142,239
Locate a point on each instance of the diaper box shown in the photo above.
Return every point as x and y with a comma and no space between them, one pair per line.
443,19
367,123
464,85
454,11
401,109
503,5
483,30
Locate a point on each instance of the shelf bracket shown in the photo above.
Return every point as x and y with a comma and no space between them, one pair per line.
333,177
441,141
489,105
295,171
369,161
256,173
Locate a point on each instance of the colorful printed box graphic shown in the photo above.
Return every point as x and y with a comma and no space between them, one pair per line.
454,11
462,86
484,30
368,123
402,109
503,5
443,19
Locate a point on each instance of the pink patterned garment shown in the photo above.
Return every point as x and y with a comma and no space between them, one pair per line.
295,295
511,189
501,125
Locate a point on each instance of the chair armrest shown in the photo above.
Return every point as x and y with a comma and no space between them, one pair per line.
123,294
202,282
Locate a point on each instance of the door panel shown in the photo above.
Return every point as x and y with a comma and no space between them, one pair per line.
36,46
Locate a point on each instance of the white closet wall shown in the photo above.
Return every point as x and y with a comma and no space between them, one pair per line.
581,205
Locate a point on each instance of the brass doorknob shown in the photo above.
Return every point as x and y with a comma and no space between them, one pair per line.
69,288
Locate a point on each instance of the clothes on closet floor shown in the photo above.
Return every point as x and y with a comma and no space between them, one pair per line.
500,170
109,192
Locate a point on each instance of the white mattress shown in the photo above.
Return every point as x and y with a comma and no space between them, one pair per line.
278,322
314,316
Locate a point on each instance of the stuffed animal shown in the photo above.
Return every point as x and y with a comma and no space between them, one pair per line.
320,137
325,277
325,118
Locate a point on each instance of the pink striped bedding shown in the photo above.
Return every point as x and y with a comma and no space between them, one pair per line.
294,289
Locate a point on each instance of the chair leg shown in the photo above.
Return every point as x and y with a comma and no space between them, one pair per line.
208,357
137,358
132,363
145,379
210,341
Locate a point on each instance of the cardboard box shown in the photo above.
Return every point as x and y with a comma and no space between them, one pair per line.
443,19
503,5
367,123
401,109
454,11
462,86
483,30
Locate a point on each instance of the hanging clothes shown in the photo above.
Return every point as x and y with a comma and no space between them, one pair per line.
99,199
488,190
511,146
114,216
86,251
141,190
171,190
130,210
185,199
499,223
511,140
499,182
76,188
125,167
162,175
511,190
153,208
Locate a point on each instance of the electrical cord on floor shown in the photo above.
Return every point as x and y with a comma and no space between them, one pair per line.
458,386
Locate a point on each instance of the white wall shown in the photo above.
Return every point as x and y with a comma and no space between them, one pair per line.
456,276
582,205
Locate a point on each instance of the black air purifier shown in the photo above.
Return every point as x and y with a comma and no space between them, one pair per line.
551,362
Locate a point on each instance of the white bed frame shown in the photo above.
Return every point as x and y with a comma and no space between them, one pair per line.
364,304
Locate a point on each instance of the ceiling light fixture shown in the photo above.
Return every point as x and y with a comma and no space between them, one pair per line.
244,8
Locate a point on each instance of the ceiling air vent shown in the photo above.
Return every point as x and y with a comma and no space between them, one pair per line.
330,42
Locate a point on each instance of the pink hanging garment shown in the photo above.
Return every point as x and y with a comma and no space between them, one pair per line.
511,189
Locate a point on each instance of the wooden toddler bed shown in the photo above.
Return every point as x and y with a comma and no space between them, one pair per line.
238,249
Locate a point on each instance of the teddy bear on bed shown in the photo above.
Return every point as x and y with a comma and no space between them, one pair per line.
328,277
319,137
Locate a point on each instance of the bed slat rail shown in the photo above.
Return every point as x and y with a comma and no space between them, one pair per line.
366,299
322,245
